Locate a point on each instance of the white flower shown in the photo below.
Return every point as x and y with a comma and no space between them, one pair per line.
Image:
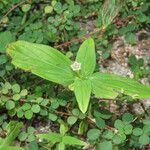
76,66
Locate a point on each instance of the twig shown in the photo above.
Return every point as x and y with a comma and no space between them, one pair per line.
78,39
14,7
106,126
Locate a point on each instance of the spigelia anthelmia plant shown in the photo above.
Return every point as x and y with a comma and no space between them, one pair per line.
78,74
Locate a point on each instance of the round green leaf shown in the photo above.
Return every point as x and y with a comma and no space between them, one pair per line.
144,139
93,134
54,104
24,92
16,88
71,120
52,117
106,145
108,134
146,121
127,117
26,7
3,59
12,112
5,90
31,130
137,131
131,38
44,102
117,139
20,114
28,114
119,124
48,9
128,129
35,108
31,137
76,112
10,105
33,145
43,112
100,123
146,129
22,136
26,106
8,85
16,97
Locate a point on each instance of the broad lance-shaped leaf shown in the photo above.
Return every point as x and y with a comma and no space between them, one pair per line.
58,138
42,60
12,148
72,141
86,56
13,130
52,137
107,85
82,89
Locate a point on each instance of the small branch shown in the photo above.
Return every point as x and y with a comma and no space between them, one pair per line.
106,126
96,31
78,39
14,7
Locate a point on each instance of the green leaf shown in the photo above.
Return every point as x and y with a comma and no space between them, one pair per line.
100,123
131,38
7,85
137,131
119,124
5,38
118,139
24,92
128,129
63,129
86,56
93,134
106,145
31,130
82,89
107,85
16,88
146,121
10,105
28,114
20,113
105,114
22,136
13,130
31,137
61,146
71,120
146,129
144,139
108,134
35,108
48,9
73,141
26,106
52,137
16,97
26,7
33,145
83,126
42,60
3,59
76,112
12,148
127,117
52,117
